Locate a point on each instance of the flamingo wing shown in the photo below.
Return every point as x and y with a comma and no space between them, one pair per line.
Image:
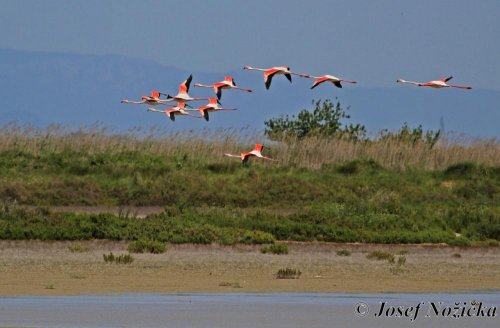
170,114
337,84
218,91
288,76
245,157
268,76
205,114
318,81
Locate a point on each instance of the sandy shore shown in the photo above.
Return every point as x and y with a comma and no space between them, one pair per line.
51,268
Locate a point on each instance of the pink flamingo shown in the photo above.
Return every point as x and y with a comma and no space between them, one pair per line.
256,152
228,83
183,95
152,100
173,111
329,78
269,73
212,106
438,84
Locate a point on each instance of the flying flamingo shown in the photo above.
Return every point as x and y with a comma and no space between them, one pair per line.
228,83
329,78
212,106
270,72
256,152
173,111
183,95
152,100
438,84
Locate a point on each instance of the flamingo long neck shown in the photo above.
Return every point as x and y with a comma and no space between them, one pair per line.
131,102
410,82
199,85
255,68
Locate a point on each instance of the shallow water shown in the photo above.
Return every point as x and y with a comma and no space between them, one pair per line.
254,310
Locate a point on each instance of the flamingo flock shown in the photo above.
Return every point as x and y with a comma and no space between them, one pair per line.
183,108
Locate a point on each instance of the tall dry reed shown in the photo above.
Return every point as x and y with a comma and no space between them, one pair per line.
210,145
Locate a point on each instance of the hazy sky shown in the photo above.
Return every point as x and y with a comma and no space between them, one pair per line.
374,42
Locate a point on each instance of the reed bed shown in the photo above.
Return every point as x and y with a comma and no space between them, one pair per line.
209,145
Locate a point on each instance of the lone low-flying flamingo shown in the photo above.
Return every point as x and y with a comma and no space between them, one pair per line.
328,78
173,111
228,83
212,106
152,100
438,84
183,95
256,152
269,73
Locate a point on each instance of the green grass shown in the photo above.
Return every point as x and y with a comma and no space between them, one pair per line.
146,246
211,199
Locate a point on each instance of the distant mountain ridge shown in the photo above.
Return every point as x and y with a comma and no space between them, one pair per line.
43,88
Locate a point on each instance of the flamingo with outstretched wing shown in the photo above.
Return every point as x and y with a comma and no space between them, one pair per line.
269,73
174,111
183,94
212,106
228,83
438,84
152,100
328,78
256,152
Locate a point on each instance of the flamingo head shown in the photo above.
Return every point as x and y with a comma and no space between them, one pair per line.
247,67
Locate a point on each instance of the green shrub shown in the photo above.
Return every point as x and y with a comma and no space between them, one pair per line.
119,259
278,249
288,273
146,246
